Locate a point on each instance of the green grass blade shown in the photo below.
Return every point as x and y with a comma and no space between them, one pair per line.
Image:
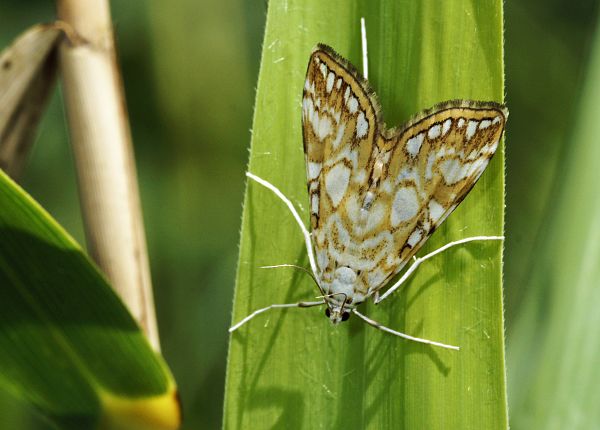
554,345
67,344
292,367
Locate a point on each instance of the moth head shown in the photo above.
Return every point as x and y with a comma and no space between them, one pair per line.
338,315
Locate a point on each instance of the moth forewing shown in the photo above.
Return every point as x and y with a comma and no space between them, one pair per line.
434,163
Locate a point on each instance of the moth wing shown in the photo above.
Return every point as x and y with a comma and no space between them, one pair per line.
339,126
340,131
430,167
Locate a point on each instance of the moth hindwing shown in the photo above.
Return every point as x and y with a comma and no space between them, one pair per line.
376,195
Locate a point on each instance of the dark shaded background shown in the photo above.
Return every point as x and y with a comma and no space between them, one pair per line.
190,70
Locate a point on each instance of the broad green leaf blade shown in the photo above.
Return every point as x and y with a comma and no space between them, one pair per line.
554,346
67,343
292,368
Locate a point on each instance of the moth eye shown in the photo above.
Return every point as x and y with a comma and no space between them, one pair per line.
345,316
327,312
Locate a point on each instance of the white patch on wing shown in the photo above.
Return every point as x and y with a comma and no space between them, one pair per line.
336,183
314,203
446,126
352,104
324,70
322,258
429,166
471,128
405,206
330,79
435,211
493,147
362,126
313,170
353,157
434,132
415,237
307,85
461,123
321,126
484,124
413,146
496,120
454,170
346,94
338,84
307,108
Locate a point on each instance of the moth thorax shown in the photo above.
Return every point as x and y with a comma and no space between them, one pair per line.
342,287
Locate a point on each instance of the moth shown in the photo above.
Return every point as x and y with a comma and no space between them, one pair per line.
377,194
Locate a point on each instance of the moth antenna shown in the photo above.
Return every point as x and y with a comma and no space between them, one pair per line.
333,294
305,270
400,334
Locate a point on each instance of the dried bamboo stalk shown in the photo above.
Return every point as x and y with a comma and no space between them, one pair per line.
103,153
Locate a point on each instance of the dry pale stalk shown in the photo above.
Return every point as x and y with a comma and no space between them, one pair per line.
103,154
27,74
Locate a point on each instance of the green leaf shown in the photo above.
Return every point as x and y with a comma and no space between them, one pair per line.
67,344
554,344
292,368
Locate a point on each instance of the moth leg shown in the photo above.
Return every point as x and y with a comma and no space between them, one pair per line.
400,334
276,306
420,260
307,241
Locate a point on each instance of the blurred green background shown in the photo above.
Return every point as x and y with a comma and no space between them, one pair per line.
189,71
